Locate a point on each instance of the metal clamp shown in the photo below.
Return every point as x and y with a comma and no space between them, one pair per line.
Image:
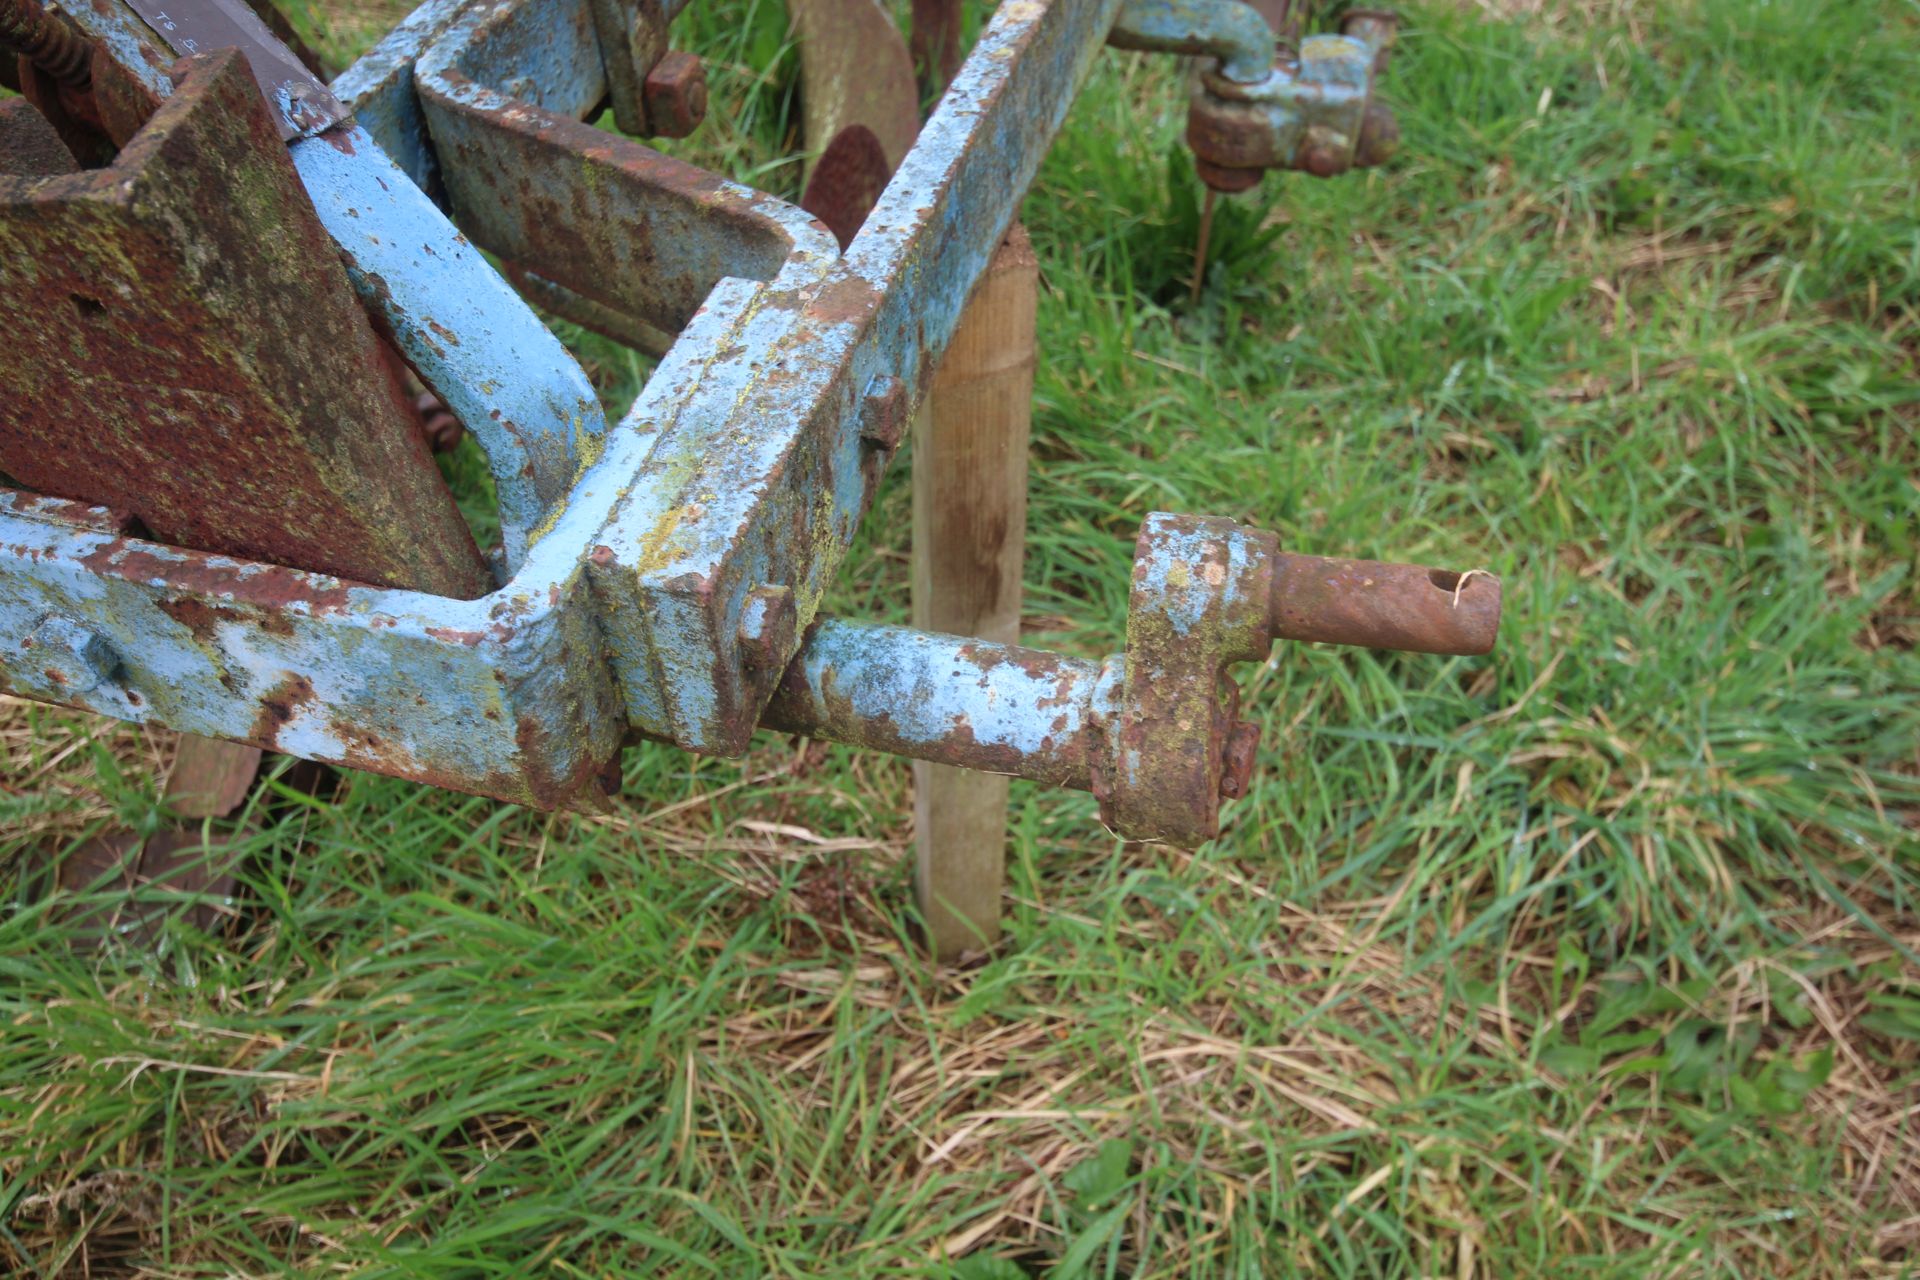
1200,597
1208,593
1315,110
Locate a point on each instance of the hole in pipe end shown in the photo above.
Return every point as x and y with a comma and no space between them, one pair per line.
1445,579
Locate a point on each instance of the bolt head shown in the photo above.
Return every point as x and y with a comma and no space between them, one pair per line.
675,93
1379,136
1237,757
68,658
883,416
1324,154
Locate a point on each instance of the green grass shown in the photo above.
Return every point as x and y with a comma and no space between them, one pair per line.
1596,957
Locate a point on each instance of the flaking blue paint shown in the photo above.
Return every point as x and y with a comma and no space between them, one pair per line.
1229,30
464,329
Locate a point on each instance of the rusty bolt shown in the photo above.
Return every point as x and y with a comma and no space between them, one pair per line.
72,658
675,93
1379,136
883,416
1236,759
767,628
1323,153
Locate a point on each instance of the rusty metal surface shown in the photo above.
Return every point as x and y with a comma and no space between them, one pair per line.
854,70
1199,602
631,35
199,361
950,699
1384,606
461,327
30,30
29,145
846,182
609,219
63,512
862,110
563,302
1231,33
504,696
1307,104
379,88
762,473
675,92
1155,732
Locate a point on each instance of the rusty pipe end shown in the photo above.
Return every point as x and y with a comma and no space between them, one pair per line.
1377,605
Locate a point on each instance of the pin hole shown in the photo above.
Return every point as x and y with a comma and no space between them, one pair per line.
1445,579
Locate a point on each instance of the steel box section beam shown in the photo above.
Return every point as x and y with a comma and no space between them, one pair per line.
310,665
606,218
508,696
198,359
762,473
379,88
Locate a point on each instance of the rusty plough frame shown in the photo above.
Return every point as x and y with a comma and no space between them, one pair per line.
224,523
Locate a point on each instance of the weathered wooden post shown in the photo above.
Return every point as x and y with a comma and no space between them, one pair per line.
969,549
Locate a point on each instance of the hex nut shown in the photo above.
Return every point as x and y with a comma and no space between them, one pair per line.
675,94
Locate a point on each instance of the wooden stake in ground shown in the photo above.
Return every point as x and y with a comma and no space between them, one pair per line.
969,545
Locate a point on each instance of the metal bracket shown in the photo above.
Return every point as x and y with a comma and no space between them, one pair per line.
1314,111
